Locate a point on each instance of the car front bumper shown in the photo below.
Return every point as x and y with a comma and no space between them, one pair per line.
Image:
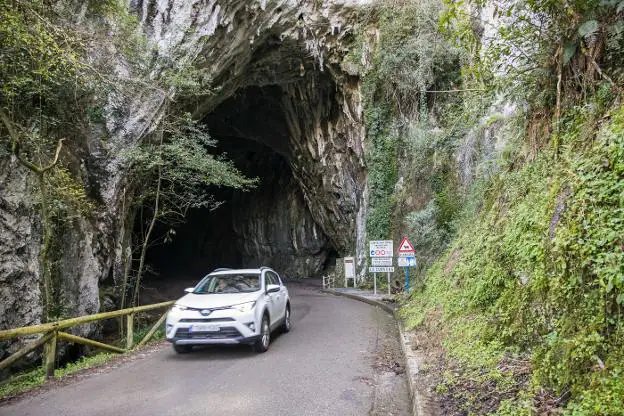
208,341
227,328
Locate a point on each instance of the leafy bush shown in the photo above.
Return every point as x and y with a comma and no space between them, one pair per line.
410,58
540,272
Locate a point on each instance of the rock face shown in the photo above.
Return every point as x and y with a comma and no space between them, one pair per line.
277,66
19,250
272,225
295,49
286,53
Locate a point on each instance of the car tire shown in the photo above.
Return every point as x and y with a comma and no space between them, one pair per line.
286,325
262,345
182,349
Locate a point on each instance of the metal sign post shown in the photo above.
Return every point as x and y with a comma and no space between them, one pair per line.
375,283
388,283
406,279
407,258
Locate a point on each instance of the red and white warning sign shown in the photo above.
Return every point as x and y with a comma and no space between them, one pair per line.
406,248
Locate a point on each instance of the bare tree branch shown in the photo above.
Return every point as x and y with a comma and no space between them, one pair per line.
59,146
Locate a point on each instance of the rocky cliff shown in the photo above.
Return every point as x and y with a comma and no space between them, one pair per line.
285,54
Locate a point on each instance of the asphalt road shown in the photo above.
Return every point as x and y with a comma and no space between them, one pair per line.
335,361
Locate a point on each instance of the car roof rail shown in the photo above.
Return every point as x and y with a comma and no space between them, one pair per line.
221,269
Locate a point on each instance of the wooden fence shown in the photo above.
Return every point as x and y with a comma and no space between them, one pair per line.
51,332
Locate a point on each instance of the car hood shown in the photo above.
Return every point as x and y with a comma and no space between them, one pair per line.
216,300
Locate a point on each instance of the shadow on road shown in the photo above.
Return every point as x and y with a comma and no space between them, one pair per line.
213,352
223,352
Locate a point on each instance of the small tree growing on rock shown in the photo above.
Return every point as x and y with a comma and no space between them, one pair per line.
172,171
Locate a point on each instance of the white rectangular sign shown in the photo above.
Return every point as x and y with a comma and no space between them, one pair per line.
381,248
408,254
381,261
380,269
407,261
349,267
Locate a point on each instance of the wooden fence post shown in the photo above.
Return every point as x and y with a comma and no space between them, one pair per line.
51,333
153,330
49,356
129,331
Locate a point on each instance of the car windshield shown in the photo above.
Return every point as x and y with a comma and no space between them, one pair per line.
228,283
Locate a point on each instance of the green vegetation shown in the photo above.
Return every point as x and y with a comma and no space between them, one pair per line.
172,171
521,245
410,58
50,95
140,333
383,166
518,220
29,380
35,378
44,84
55,86
538,276
22,382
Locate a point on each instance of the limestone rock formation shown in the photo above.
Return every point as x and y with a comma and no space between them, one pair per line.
286,52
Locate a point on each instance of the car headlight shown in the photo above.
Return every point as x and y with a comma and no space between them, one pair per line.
244,307
178,308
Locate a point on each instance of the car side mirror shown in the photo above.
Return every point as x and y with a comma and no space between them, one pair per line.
272,288
189,289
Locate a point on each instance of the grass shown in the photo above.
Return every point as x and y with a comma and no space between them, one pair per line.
35,378
31,379
530,289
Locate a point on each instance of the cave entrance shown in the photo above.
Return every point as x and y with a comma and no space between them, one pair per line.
271,225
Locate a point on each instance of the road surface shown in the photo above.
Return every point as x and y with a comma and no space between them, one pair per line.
337,360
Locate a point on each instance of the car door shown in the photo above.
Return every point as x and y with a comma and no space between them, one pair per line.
283,298
268,297
274,299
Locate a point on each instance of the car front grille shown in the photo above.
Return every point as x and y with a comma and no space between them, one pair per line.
224,333
207,320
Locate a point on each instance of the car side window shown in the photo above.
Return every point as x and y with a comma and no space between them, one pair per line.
271,279
267,279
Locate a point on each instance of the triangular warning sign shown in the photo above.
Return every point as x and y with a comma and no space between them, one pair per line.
406,246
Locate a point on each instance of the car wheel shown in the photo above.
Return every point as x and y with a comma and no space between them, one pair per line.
262,345
286,324
182,349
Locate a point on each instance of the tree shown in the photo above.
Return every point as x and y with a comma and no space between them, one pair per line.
173,170
41,171
40,67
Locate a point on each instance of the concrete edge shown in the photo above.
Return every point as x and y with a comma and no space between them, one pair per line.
411,358
373,302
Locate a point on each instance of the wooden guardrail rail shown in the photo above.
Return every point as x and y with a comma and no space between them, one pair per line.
51,333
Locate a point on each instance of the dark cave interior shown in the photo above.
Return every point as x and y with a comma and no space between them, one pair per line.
270,225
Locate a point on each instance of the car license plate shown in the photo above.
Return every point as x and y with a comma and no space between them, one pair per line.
204,328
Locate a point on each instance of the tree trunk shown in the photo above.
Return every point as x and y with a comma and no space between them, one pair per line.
45,247
146,240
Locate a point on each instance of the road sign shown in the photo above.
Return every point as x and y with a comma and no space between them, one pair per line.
406,250
349,267
407,261
349,270
381,248
380,269
406,246
381,261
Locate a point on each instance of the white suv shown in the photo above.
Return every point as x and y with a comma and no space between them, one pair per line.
230,306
